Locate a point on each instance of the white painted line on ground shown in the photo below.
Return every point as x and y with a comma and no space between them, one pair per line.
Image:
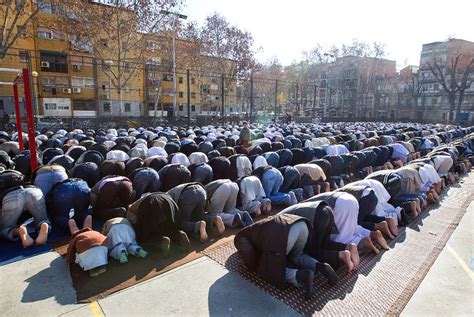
461,262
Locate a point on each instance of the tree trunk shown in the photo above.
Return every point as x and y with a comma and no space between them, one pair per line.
460,100
451,99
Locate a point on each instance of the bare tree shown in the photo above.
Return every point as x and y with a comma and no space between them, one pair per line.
454,77
16,16
116,34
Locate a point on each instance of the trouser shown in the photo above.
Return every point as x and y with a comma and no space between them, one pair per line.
15,203
113,200
223,204
89,172
146,180
46,179
365,218
297,238
121,239
291,180
326,250
251,206
192,203
271,182
70,200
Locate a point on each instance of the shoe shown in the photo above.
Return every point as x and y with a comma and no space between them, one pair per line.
247,219
123,257
305,281
327,271
142,253
184,242
237,221
165,245
97,271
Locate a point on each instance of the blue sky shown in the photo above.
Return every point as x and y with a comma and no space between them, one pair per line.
286,28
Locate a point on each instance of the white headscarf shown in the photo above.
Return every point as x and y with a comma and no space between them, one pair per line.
117,155
157,151
180,158
197,158
259,162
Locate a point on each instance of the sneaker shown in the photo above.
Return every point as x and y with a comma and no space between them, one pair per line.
123,257
246,219
97,271
237,221
305,281
327,271
142,253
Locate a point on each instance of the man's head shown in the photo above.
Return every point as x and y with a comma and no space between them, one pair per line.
245,124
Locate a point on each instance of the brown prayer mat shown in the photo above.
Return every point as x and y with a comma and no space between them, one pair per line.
120,276
394,275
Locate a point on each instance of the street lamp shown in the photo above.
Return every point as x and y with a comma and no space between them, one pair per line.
179,16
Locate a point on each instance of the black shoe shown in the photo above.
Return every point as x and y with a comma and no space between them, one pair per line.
327,271
305,281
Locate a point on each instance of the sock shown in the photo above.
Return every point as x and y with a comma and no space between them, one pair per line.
142,253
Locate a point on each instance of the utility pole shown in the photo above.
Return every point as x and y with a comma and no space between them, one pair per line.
314,101
251,97
222,100
188,95
276,100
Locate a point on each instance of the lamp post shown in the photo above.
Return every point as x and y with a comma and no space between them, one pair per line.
179,16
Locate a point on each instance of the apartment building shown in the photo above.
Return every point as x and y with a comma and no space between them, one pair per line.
73,83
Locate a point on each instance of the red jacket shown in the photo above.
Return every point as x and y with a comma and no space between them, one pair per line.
84,240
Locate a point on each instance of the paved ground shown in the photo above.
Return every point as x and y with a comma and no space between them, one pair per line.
41,285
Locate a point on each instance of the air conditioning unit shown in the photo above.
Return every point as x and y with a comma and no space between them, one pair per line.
76,67
44,64
105,97
76,90
67,90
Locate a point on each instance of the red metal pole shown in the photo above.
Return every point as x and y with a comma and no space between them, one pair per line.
29,118
18,117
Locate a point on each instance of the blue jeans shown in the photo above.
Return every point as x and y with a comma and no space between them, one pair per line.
70,200
15,203
408,197
271,182
146,180
47,179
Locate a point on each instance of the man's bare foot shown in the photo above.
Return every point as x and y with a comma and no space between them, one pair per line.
352,248
25,238
318,189
72,226
378,236
165,243
370,246
414,208
327,187
435,195
87,222
392,226
219,225
268,206
258,213
345,257
202,231
43,234
383,227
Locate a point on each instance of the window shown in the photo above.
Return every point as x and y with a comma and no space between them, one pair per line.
106,107
81,60
50,34
180,80
127,107
50,106
151,45
82,82
52,81
181,108
24,56
167,77
193,95
193,81
88,105
103,43
180,94
2,106
193,108
53,62
105,86
47,7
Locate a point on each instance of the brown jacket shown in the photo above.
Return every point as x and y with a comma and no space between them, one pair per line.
262,246
84,240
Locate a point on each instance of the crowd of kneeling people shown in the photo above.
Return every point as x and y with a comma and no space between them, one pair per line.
342,189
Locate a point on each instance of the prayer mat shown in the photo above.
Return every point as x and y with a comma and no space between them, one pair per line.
383,284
